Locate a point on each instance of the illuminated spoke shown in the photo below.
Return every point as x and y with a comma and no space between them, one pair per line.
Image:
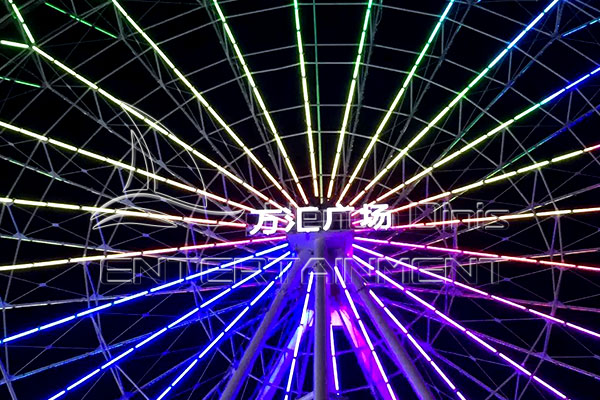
490,256
363,330
453,323
507,175
306,99
261,103
81,20
132,254
127,298
304,320
19,18
350,98
488,135
396,100
160,332
213,113
485,295
415,344
390,165
119,164
219,337
123,212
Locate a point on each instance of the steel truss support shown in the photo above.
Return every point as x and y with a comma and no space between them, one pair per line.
247,361
399,353
322,354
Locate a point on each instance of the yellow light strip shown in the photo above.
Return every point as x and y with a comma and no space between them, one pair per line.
214,114
260,101
117,211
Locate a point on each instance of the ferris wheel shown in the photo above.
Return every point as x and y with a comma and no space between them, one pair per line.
306,199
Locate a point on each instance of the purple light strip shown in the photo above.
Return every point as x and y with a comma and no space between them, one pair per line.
299,333
365,334
418,347
453,323
336,380
486,295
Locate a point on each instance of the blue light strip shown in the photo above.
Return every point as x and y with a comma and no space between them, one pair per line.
137,295
580,27
221,335
160,332
299,333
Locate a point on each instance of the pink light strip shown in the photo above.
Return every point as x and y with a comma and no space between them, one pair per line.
448,281
364,332
479,254
454,324
417,346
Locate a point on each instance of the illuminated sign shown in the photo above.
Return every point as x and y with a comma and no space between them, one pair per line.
314,219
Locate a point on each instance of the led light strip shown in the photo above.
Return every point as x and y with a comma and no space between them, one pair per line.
507,175
223,333
417,346
336,379
261,103
208,108
455,101
76,18
299,333
156,126
396,100
580,27
452,323
507,217
21,21
159,333
485,295
306,98
365,333
131,254
20,82
117,211
54,243
127,298
118,164
489,135
349,101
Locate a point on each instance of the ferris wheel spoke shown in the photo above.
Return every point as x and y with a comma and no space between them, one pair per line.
451,322
119,164
158,288
397,99
488,296
306,101
225,331
488,135
390,165
350,98
260,101
214,115
507,175
488,256
417,346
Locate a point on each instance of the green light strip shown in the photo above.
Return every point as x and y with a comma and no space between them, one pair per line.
21,21
505,176
397,99
35,85
263,107
486,136
349,101
455,101
76,18
306,98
